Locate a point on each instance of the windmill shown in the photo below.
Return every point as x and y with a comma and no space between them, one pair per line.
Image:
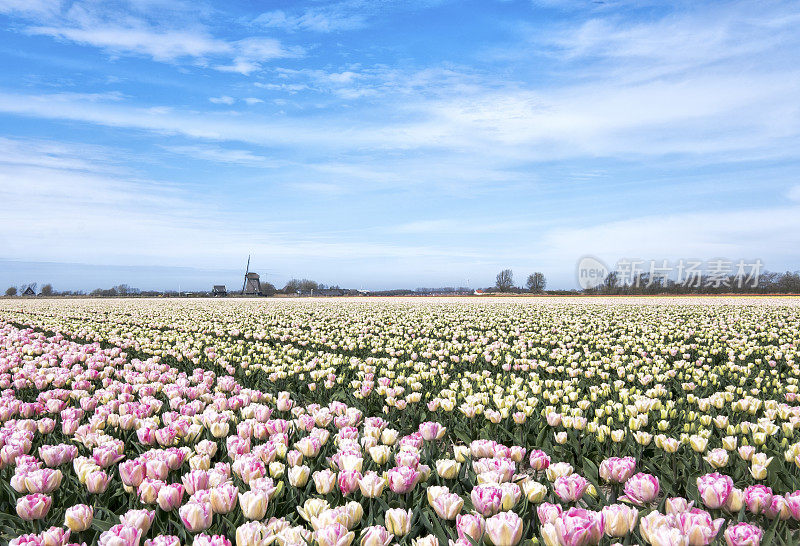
252,282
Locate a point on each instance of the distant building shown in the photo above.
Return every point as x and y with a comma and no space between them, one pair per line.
329,292
219,290
252,284
28,292
480,292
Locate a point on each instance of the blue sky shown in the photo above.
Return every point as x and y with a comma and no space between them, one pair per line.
392,144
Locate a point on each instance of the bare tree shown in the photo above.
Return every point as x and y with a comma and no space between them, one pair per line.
505,280
307,285
610,282
536,282
47,290
11,291
292,286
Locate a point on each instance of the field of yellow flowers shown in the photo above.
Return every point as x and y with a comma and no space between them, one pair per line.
563,422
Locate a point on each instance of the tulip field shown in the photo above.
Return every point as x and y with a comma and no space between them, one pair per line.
419,421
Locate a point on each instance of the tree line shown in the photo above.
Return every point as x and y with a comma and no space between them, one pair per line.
535,283
768,282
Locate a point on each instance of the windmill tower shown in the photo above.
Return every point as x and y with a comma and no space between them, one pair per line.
252,282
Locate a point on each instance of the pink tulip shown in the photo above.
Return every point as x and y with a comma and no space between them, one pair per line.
54,536
431,430
97,481
148,490
170,497
175,457
470,525
539,460
676,505
570,488
698,526
504,529
757,498
617,469
778,508
659,529
487,499
402,479
376,535
132,472
34,506
43,480
196,516
57,455
146,435
105,456
548,512
141,519
714,489
348,481
164,540
223,498
793,503
747,452
641,488
553,419
324,481
448,505
579,527
619,519
333,535
79,517
195,480
120,535
407,458
743,534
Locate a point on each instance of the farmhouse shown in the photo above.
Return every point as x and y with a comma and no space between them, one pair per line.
219,290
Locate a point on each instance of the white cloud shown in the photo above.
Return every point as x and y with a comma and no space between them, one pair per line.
728,114
245,56
225,155
316,188
473,226
160,45
330,19
682,40
62,155
55,214
772,234
222,100
37,8
165,32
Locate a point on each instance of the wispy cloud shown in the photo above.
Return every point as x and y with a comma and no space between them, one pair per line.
317,19
37,8
177,37
218,154
772,234
68,156
472,226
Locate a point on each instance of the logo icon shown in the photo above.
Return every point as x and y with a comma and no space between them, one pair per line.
591,272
